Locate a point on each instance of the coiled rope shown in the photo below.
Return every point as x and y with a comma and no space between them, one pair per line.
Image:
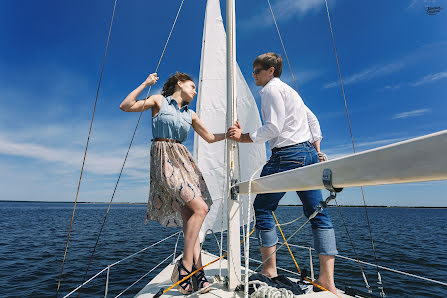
262,290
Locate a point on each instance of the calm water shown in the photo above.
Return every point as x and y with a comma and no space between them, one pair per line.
33,238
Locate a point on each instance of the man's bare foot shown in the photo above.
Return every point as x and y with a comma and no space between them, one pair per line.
269,274
328,286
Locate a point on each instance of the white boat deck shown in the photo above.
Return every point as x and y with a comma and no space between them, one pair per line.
218,289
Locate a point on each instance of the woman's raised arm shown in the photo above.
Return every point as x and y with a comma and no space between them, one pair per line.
131,104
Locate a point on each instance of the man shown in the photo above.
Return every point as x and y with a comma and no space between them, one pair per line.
294,135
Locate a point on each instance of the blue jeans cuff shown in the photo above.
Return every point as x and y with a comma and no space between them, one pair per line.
324,242
267,238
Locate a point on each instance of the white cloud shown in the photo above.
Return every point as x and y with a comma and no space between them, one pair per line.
346,149
415,2
301,77
390,88
414,113
368,74
382,69
283,10
101,160
431,78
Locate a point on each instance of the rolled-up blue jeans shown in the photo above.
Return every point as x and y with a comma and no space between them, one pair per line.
283,159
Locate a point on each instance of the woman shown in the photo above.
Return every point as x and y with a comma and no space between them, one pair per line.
178,192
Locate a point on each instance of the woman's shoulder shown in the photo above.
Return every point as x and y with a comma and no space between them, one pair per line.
157,99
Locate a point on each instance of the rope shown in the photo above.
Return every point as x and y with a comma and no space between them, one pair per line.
282,244
269,292
288,247
86,282
175,248
144,275
128,150
204,266
222,208
247,240
290,222
352,245
279,268
363,262
282,43
285,54
319,209
293,257
353,146
116,263
85,151
144,249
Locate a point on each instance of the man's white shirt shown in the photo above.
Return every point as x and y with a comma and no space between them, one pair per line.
287,120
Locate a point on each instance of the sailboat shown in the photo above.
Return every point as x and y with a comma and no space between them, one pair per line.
230,169
223,100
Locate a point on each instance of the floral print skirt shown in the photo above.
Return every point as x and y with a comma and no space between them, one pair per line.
175,180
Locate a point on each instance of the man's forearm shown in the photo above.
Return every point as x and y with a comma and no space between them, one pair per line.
317,145
245,138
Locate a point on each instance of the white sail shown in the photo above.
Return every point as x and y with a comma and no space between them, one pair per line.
211,109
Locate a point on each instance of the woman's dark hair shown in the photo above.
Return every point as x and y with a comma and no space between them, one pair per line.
169,86
268,60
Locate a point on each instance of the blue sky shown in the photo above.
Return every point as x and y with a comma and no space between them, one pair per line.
392,58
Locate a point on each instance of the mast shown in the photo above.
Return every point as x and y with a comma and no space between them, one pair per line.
233,239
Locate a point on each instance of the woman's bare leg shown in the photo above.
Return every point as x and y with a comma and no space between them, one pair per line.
194,215
198,258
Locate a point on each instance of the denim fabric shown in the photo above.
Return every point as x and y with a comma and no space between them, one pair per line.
284,159
267,238
172,122
324,242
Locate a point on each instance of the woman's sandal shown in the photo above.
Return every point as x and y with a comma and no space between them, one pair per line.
177,275
198,280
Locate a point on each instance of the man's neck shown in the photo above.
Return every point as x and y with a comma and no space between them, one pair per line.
268,81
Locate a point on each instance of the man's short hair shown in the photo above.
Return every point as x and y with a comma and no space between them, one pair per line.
268,60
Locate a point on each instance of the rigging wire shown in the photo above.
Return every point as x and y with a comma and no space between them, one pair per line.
222,208
285,54
349,123
282,43
285,243
353,148
352,245
131,142
293,257
85,151
247,240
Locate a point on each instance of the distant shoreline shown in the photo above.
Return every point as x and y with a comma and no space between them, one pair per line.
128,203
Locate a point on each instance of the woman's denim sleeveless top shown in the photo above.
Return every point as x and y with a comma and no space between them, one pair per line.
172,122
